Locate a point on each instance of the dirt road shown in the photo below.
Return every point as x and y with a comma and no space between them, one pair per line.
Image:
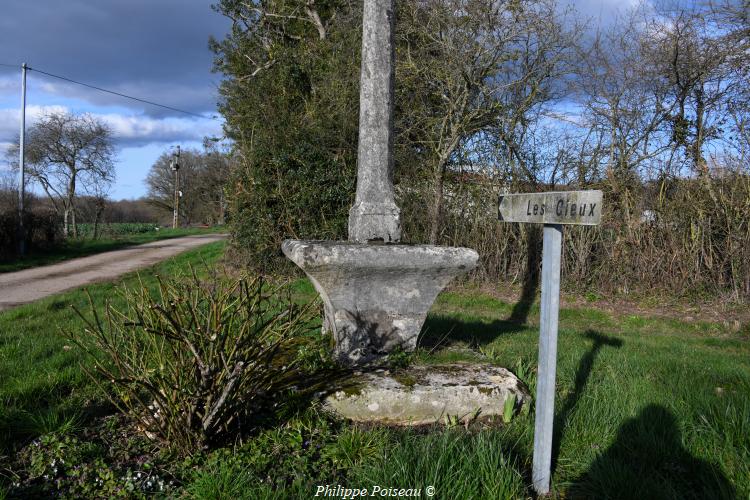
26,286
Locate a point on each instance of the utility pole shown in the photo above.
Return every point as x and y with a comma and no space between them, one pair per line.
21,166
176,169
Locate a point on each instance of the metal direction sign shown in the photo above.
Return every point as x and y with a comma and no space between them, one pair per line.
553,209
562,207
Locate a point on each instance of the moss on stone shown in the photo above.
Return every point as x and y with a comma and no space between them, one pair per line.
448,369
487,391
353,389
405,379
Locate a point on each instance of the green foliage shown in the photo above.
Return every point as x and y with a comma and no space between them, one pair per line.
459,465
354,446
194,361
290,102
114,230
47,455
222,480
64,465
400,358
51,423
286,461
508,406
43,231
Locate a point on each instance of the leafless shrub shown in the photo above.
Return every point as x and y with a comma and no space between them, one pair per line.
191,361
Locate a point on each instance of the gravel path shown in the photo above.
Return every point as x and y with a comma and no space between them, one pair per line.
22,287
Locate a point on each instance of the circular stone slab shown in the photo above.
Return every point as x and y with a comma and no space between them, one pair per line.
425,394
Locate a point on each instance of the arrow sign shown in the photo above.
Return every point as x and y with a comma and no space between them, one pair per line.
552,209
561,207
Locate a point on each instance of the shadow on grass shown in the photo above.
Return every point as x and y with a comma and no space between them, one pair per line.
442,331
583,372
647,460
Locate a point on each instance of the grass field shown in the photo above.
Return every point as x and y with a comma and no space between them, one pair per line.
112,237
646,408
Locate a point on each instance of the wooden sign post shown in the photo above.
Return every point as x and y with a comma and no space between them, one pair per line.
553,209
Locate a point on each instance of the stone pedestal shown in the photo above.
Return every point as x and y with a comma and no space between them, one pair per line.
425,394
376,297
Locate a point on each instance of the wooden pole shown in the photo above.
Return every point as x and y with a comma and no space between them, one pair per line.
176,168
22,166
545,389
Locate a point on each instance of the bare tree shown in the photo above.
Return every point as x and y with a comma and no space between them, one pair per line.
469,70
203,176
626,106
66,152
8,191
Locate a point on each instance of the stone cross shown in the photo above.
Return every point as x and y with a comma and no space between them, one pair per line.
374,215
376,297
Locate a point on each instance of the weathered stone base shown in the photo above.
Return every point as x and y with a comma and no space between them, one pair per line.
425,394
376,297
374,221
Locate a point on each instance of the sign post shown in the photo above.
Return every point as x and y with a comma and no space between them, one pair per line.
553,209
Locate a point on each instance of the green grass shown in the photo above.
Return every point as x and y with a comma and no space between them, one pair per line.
456,464
82,247
645,408
42,387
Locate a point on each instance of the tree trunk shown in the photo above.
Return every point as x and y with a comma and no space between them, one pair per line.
221,207
436,211
71,200
97,218
73,221
66,213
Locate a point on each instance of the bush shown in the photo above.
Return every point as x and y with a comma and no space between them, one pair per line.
114,230
195,361
43,231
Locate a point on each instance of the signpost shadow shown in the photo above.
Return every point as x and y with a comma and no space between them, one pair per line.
583,372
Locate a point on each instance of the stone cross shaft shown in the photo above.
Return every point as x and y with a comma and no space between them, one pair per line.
374,215
376,297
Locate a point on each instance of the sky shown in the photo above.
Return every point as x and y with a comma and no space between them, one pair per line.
151,49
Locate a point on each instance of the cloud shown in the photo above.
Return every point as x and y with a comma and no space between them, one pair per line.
8,86
141,130
127,130
154,50
185,96
10,119
600,14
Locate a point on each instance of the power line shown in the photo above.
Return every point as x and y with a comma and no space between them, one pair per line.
112,92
